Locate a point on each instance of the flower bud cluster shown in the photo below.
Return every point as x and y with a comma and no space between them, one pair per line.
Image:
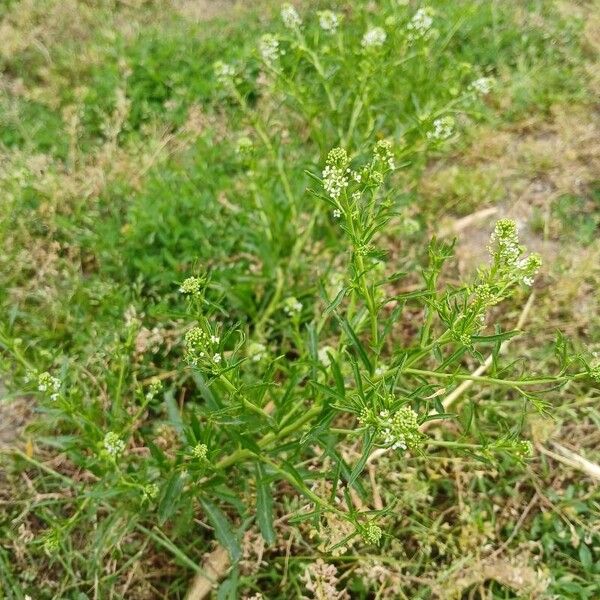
398,430
200,451
371,534
192,286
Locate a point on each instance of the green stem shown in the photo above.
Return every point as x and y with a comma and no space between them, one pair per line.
493,380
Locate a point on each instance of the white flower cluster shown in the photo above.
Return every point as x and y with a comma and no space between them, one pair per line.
268,46
223,72
383,153
374,37
113,444
482,86
506,252
335,173
420,24
197,343
504,243
323,355
292,306
290,17
443,128
192,286
49,385
329,21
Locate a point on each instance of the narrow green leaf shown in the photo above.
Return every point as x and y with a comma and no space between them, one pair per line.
362,354
360,465
497,337
170,497
335,302
223,529
585,557
174,414
337,375
264,506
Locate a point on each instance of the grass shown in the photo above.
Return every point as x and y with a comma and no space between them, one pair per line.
126,166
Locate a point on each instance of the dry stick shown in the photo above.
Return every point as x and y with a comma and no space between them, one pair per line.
572,459
213,569
467,221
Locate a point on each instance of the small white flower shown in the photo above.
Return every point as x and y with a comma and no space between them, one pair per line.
328,21
256,351
380,370
323,355
443,128
268,47
420,24
290,17
223,72
334,181
482,86
337,213
292,306
214,339
374,38
217,358
50,385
